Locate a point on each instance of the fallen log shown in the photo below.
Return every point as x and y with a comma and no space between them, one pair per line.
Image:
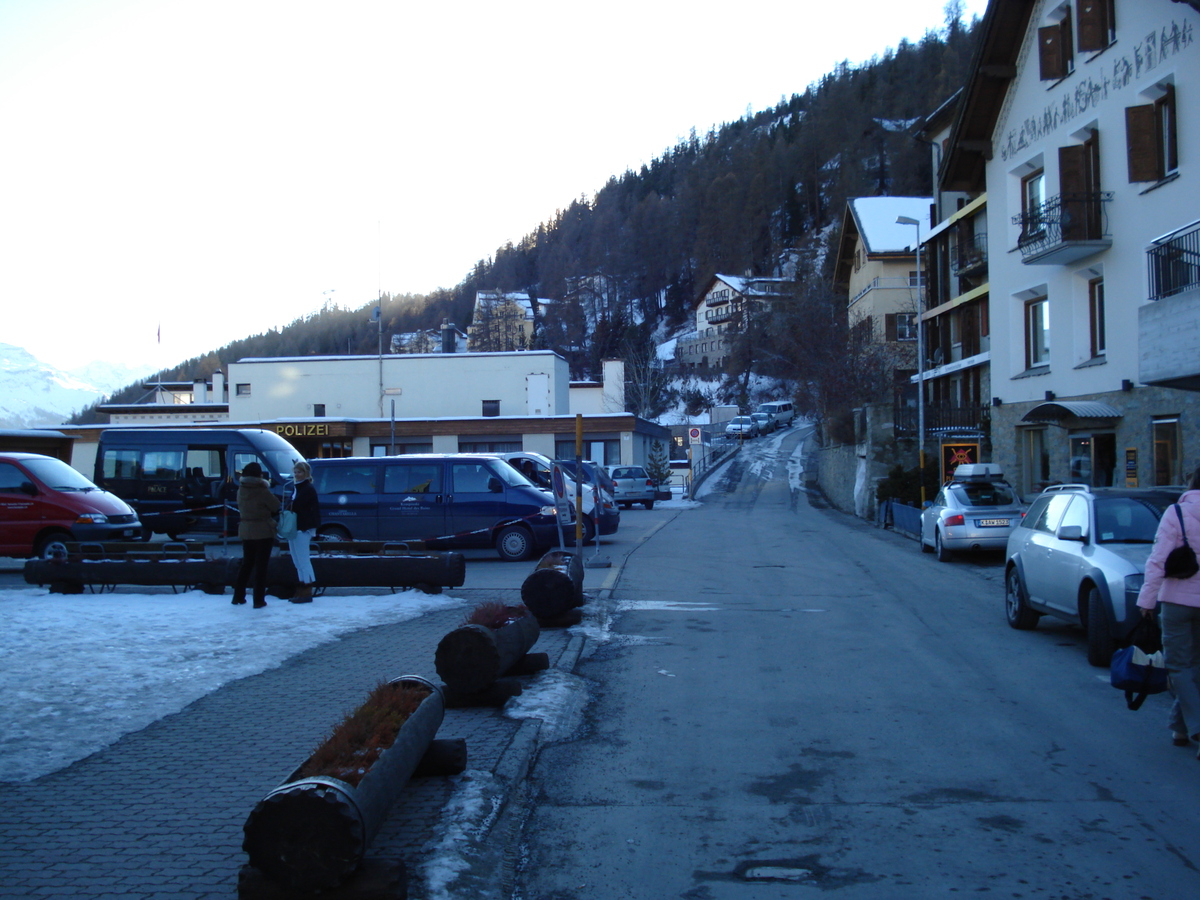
555,586
472,657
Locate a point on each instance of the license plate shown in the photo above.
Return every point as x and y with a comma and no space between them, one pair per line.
129,532
992,523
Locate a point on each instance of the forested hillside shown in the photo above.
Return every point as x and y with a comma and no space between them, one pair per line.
630,259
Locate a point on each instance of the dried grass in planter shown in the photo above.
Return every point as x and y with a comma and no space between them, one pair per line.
495,615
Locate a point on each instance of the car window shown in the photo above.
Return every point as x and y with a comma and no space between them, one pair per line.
345,479
11,478
1125,520
1076,514
1052,513
412,478
940,499
984,493
56,474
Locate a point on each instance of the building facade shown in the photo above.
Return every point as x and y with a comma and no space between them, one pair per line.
720,313
1077,118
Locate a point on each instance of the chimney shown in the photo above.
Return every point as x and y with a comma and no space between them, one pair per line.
447,336
199,390
218,387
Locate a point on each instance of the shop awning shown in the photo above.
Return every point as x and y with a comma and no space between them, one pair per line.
1057,410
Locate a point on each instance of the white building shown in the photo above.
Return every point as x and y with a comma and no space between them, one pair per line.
1078,116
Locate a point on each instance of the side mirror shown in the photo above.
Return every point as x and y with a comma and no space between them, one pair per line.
494,486
28,487
1071,533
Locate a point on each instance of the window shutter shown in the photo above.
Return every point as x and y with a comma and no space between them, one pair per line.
1072,183
1051,61
1141,141
889,327
1093,24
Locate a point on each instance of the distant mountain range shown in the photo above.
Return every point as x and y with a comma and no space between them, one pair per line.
34,394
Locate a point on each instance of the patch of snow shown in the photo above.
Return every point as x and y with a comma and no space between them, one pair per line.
557,698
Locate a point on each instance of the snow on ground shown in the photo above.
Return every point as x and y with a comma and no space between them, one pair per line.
79,671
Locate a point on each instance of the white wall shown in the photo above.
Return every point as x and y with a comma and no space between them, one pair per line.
1038,118
422,385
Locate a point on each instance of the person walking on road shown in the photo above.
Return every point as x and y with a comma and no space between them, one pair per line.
256,507
1180,599
307,508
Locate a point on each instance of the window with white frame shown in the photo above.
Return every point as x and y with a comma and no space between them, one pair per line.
1037,332
1096,316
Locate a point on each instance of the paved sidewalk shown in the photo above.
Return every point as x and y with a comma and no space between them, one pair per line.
159,813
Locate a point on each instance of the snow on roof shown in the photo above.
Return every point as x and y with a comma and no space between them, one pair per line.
897,124
666,350
519,298
876,220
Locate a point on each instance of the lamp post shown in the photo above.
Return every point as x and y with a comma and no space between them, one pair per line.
909,220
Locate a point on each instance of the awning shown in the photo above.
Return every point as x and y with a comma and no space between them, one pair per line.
1057,410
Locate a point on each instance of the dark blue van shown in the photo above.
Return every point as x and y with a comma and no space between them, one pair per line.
179,479
449,501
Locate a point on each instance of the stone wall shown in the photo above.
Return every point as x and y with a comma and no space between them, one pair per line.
848,473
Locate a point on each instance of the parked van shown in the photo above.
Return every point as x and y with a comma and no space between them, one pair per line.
44,502
449,501
782,410
179,479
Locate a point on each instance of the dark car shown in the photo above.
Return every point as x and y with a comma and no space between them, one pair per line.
1080,555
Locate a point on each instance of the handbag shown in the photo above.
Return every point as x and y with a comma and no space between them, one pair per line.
1139,669
288,525
1181,562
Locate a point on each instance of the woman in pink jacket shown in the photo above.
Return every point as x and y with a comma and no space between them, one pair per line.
1180,599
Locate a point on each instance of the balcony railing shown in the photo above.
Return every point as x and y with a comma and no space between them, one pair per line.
1174,264
1065,228
878,283
943,419
720,314
971,254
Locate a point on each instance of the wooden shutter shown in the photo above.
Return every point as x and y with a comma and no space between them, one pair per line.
889,327
1072,184
1093,24
1051,59
1142,143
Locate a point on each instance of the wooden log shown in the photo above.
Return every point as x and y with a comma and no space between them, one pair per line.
495,695
566,620
531,664
376,879
472,657
555,585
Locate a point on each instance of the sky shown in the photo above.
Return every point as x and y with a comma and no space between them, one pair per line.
176,175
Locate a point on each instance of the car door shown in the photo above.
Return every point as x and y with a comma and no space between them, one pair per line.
1064,559
349,497
20,515
476,501
1040,546
929,518
412,505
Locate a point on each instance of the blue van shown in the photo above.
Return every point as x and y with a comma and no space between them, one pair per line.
449,501
179,479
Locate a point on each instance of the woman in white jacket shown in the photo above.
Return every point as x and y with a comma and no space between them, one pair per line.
1180,599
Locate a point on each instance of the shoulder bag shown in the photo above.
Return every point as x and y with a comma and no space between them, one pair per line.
1181,562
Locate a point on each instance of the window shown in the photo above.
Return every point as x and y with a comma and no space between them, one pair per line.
1166,452
900,326
1077,514
345,479
491,408
1037,333
1096,316
163,465
1093,458
120,464
1150,137
242,390
1056,54
12,478
318,410
1097,24
413,478
1033,198
1037,460
1079,183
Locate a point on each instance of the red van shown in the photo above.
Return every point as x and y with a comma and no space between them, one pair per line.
44,502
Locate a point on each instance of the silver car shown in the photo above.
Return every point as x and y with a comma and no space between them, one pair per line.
975,510
1080,555
634,485
765,421
742,427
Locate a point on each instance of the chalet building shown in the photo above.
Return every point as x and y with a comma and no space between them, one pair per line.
720,313
501,322
876,268
409,403
1075,152
446,339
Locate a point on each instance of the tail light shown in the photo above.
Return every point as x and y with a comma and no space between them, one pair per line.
955,520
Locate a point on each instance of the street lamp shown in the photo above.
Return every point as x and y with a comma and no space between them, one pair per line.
909,220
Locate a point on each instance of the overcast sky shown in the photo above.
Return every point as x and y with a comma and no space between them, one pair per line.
223,167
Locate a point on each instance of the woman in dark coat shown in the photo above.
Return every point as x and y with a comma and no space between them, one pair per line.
308,517
256,507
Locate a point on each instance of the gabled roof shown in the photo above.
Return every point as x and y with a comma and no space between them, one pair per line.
746,286
993,69
874,220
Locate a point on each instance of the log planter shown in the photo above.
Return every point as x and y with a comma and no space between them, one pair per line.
311,833
474,657
554,591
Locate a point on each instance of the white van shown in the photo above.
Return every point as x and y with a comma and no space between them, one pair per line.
782,411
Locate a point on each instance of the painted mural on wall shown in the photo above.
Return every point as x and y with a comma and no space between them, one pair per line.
1147,54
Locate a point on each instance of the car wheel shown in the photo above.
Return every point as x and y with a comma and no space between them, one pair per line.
1100,643
52,546
333,533
925,548
649,504
514,543
625,505
147,533
1016,604
939,548
589,529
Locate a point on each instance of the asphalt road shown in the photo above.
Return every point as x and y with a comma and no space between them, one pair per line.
786,701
